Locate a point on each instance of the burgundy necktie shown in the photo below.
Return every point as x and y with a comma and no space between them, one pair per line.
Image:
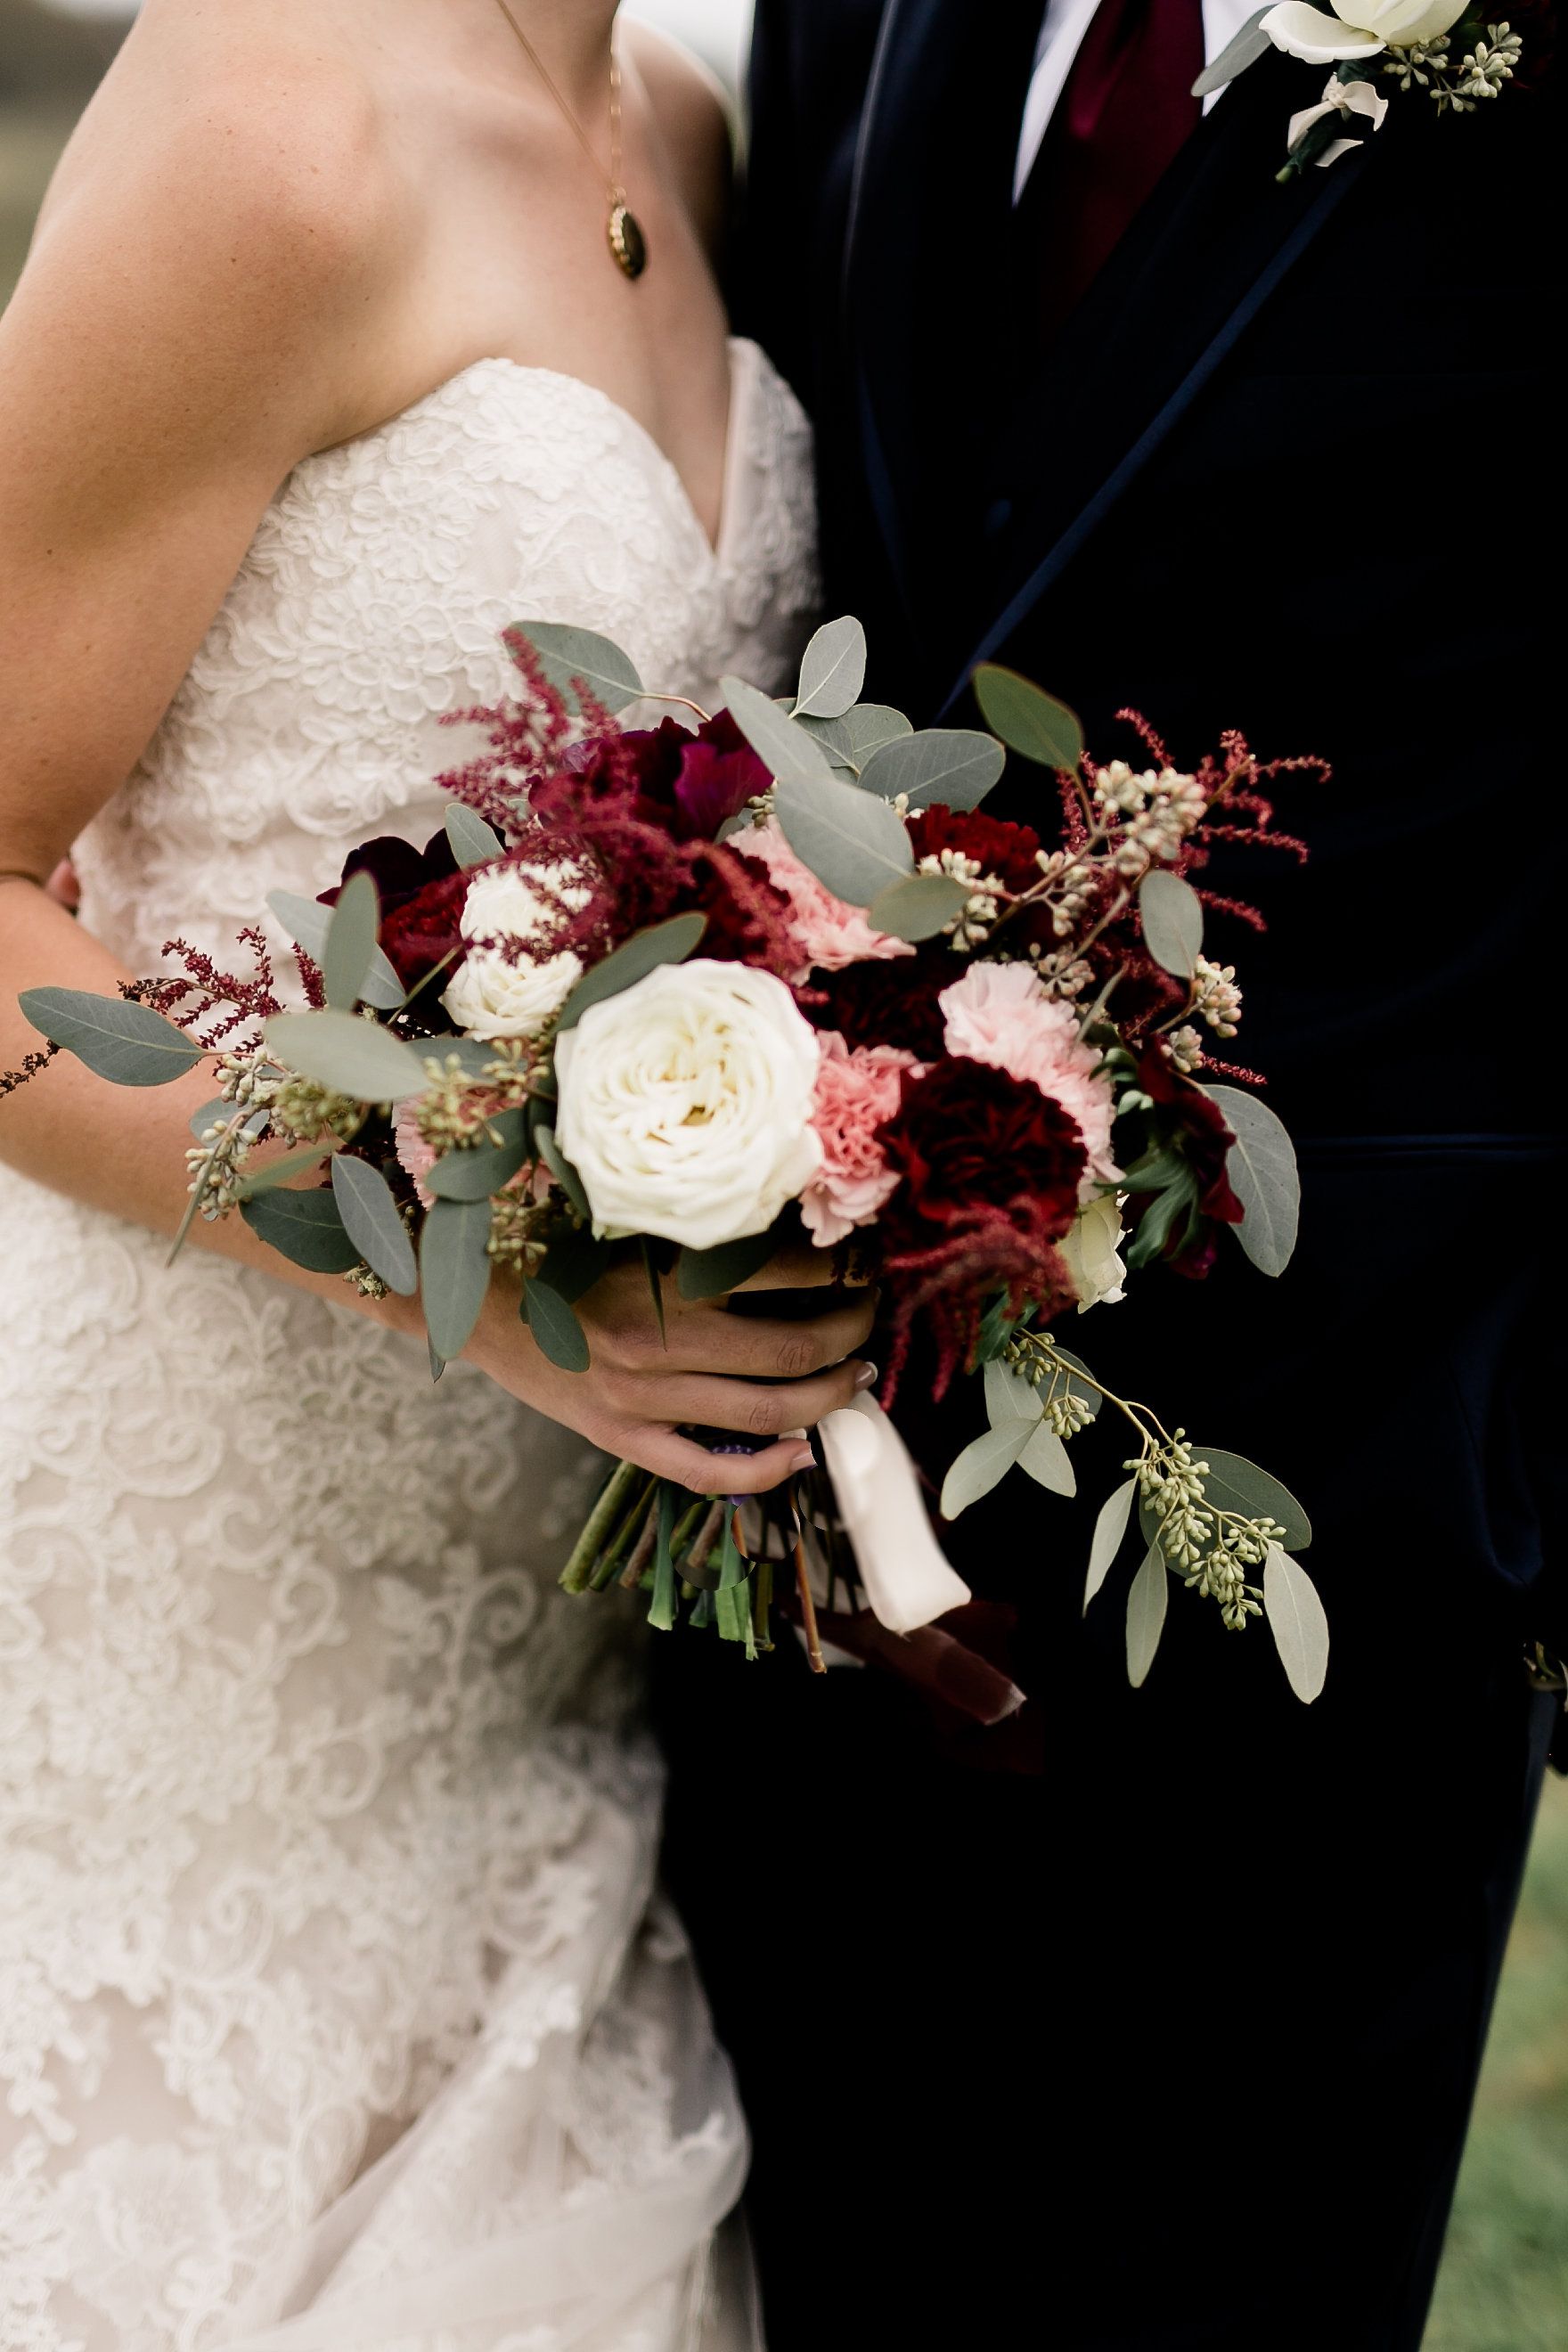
1124,113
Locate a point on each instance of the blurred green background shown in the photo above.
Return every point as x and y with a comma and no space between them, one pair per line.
1504,2286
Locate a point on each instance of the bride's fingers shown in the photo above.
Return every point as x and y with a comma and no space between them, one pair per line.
749,1406
672,1456
747,1347
795,1268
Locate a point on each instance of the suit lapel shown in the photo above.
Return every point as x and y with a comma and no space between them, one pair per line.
1219,236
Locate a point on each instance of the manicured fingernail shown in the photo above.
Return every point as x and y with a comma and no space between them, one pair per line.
802,1459
866,1377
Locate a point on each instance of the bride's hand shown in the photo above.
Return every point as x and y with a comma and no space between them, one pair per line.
750,1373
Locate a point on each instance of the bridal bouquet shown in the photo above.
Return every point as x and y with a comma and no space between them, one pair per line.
693,991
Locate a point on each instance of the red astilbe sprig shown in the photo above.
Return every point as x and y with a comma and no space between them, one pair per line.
530,735
31,1065
238,999
944,1289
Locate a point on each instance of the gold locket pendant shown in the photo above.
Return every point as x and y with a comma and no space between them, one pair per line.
626,240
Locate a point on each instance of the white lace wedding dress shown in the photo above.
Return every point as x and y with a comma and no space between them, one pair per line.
337,2006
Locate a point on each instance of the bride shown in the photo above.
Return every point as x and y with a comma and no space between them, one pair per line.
337,2007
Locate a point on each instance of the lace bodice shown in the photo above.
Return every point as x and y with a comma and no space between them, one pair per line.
333,2009
373,601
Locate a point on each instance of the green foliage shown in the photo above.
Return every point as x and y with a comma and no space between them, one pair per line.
919,905
832,670
476,1170
308,923
473,841
127,1043
454,1272
712,1273
954,765
567,655
1172,916
1146,1603
1262,1169
352,1057
304,1227
351,942
783,748
554,1325
661,943
1028,720
1110,1532
854,843
373,1223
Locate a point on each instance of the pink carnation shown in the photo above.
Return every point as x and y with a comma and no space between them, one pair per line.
999,1013
857,1093
415,1156
831,934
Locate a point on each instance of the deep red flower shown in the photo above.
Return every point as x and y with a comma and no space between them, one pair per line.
966,1137
996,845
689,781
421,893
889,1001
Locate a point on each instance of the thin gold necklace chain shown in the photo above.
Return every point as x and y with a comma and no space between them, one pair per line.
613,186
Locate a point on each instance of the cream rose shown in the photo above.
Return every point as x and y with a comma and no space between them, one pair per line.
1358,29
1090,1246
686,1104
491,997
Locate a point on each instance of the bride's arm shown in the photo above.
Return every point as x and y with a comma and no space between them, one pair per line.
199,313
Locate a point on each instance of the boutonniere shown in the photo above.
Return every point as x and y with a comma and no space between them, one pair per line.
1444,48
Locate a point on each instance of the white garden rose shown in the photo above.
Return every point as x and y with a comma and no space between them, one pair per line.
1089,1248
1357,28
686,1104
490,997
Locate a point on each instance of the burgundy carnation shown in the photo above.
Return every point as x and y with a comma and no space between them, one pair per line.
888,1002
968,1137
997,846
421,893
693,783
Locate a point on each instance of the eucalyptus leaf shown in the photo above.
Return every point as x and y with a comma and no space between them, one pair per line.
832,670
216,1113
669,943
1010,1397
955,767
1298,1621
561,1167
655,1280
1264,1176
783,749
1244,51
476,1170
473,841
351,942
553,1323
1238,1485
1028,720
833,736
1173,921
854,844
473,1056
714,1273
274,1173
567,655
371,1223
118,1039
1146,1604
1048,1463
304,1227
918,907
308,922
983,1461
454,1272
871,725
1110,1532
353,1057
574,1261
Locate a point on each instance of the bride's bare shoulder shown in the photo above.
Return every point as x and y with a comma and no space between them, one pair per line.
234,182
694,120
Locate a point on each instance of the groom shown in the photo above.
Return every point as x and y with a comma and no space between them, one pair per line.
1151,2020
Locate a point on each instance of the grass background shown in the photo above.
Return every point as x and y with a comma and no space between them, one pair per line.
1504,2282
